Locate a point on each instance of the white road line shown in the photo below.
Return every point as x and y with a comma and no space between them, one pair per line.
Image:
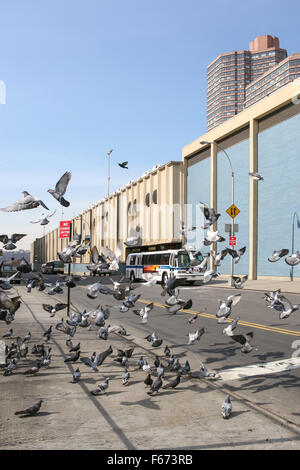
262,368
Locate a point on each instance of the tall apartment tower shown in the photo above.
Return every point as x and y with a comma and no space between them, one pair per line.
229,75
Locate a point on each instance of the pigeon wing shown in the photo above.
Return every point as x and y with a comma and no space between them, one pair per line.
61,185
17,236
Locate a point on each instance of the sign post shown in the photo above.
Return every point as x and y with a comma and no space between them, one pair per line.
233,211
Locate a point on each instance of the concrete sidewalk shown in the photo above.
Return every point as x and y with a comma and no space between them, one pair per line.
266,285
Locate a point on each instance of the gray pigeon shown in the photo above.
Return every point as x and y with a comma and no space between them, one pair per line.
157,384
31,410
125,377
256,176
277,254
60,189
102,387
9,243
76,376
226,407
28,202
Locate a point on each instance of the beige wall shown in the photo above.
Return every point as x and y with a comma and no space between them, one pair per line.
157,223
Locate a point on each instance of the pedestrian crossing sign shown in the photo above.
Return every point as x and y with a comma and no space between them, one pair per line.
233,211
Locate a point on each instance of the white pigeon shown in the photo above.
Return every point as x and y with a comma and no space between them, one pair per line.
44,219
256,176
196,335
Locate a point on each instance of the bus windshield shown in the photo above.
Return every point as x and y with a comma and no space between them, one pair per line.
183,260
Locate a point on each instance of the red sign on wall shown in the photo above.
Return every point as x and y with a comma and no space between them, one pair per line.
65,223
64,233
232,240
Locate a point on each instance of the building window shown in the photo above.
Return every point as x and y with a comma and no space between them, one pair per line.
147,199
129,208
154,196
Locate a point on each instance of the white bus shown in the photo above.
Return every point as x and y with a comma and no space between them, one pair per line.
161,265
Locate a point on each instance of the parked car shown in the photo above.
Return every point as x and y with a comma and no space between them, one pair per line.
8,268
101,271
52,267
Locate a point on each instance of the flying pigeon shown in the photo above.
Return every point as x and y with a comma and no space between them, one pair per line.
277,254
210,215
44,219
23,266
293,259
196,335
229,329
132,241
238,281
208,275
28,202
31,410
52,309
226,305
9,243
236,254
218,257
256,176
60,189
212,237
123,165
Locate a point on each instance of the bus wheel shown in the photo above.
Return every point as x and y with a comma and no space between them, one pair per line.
132,276
164,279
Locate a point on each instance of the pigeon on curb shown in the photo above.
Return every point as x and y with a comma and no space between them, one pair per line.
226,408
60,189
31,410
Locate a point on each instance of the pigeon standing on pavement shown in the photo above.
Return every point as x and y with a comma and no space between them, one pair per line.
226,407
60,189
76,376
31,410
102,387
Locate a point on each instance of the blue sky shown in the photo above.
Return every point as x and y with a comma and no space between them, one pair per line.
84,77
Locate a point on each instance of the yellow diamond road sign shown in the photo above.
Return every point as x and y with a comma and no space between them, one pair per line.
233,211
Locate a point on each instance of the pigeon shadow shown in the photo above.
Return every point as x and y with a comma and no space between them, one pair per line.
42,413
269,355
147,403
237,413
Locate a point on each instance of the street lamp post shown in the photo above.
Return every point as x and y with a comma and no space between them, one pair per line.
232,190
293,240
108,173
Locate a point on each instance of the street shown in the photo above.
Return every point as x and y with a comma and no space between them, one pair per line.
265,406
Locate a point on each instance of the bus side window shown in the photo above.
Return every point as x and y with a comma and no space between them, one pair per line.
132,260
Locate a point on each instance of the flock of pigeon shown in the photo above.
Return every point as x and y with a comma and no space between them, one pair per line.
97,319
